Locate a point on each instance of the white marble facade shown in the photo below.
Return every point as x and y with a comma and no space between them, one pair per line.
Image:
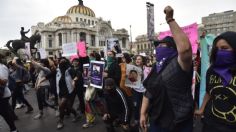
79,22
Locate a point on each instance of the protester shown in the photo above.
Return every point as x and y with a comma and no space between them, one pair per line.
65,90
168,100
219,102
42,85
19,75
118,109
113,69
79,85
126,59
5,94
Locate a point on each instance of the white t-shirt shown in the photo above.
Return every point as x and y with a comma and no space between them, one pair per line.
4,73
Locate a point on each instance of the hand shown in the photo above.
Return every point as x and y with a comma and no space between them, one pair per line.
169,13
143,121
125,126
105,116
105,74
198,113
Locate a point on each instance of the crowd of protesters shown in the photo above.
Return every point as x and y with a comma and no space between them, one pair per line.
162,103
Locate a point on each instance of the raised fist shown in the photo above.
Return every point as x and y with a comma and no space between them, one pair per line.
169,12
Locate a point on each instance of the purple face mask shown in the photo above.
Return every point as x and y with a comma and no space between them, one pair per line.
224,60
163,54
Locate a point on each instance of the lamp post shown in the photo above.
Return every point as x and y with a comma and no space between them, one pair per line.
131,42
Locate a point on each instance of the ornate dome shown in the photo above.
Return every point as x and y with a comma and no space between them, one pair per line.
81,9
63,19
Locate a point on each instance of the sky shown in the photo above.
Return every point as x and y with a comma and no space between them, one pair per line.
122,13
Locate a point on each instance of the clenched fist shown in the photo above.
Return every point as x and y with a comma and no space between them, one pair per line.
169,13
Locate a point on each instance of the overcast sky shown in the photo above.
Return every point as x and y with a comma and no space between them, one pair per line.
122,13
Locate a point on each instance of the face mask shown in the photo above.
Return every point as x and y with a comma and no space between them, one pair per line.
63,66
109,61
163,54
110,91
224,60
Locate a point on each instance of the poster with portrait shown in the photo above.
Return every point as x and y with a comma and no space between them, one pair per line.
112,44
86,74
97,68
133,76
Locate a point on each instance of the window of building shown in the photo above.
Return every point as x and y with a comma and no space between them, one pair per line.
60,39
85,20
49,36
123,42
50,53
81,19
50,43
92,40
92,22
77,19
138,47
145,46
96,22
89,22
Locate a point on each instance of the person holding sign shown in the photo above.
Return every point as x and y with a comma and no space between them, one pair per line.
168,86
219,104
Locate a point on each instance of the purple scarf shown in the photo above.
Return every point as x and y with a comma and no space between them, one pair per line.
224,60
162,55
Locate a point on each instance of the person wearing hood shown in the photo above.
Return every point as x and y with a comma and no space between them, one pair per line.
65,90
118,109
219,103
168,100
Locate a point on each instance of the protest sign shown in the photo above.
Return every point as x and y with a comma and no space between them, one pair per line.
86,74
69,49
97,68
133,76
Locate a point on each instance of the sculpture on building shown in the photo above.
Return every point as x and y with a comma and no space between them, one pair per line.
15,45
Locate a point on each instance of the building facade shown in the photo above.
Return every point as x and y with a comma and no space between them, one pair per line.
218,23
79,23
142,45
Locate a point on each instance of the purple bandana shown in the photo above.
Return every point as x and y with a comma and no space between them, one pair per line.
224,60
163,54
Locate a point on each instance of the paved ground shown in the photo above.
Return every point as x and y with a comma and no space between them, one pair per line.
26,123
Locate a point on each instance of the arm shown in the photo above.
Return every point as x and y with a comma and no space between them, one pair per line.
202,108
27,31
182,42
37,65
143,114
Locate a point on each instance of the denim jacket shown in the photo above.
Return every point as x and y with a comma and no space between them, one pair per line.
68,79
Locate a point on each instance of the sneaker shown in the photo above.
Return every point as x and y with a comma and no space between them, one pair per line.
19,106
60,125
57,113
87,125
38,116
29,109
75,119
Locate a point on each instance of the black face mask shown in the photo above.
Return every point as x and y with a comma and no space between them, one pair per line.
63,66
110,91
